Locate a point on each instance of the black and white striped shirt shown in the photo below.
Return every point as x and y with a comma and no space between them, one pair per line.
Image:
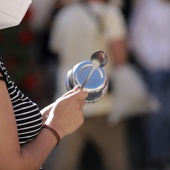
27,113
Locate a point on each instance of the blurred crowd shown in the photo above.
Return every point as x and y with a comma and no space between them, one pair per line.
129,129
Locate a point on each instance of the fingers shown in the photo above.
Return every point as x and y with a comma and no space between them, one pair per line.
70,91
78,98
77,93
80,95
76,88
82,102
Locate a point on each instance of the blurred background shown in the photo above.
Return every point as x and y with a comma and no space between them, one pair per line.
140,85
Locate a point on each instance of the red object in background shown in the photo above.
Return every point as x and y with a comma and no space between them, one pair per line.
11,63
30,82
27,16
26,37
1,37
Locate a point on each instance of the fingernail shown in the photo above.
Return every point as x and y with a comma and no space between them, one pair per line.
76,87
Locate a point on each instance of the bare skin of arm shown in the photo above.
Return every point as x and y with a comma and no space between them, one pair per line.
118,52
65,116
45,112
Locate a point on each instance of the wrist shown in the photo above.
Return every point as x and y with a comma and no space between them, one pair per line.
52,131
57,129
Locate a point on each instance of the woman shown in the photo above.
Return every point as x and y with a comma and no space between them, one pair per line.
27,136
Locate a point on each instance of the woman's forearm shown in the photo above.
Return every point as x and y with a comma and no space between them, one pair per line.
32,155
118,52
35,152
45,112
64,116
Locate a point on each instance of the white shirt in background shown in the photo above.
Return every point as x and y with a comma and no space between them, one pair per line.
150,34
75,36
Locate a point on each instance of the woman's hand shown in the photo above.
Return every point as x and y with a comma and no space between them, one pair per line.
66,115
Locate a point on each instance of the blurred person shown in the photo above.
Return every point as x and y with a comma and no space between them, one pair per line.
79,30
127,8
42,11
120,3
28,135
150,44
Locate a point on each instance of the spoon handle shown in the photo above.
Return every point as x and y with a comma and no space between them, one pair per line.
85,81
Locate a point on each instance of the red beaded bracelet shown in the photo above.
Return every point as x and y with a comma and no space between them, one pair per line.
53,131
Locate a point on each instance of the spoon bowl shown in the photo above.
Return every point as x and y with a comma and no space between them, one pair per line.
101,57
98,59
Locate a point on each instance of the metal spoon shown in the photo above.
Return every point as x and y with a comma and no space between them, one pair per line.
99,59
